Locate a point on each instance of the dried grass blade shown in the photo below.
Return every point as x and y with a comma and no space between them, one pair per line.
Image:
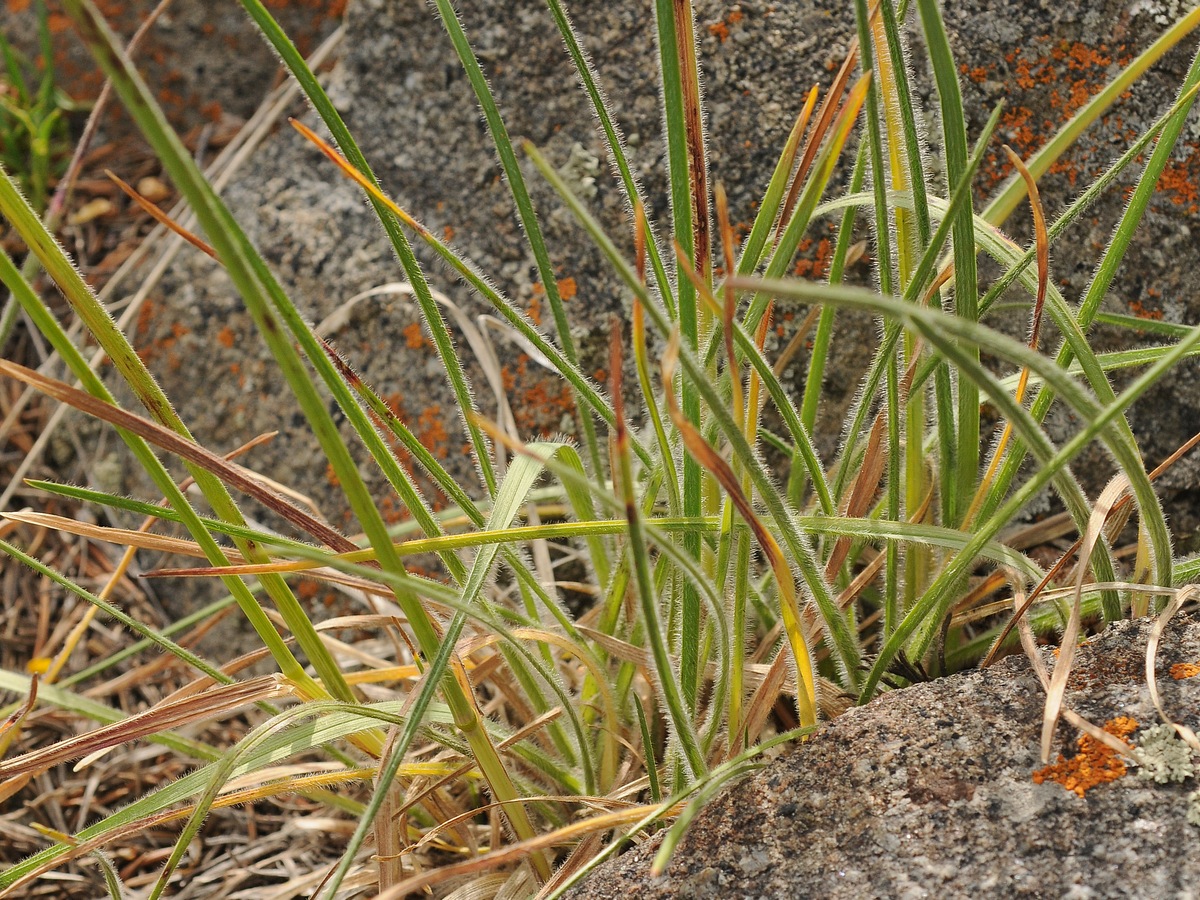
764,699
824,118
123,536
18,714
161,217
521,850
1055,692
162,717
1184,594
866,485
1124,502
173,442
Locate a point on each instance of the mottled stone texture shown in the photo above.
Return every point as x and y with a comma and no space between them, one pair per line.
927,792
404,95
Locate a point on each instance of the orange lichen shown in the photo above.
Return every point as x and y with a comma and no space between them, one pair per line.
1180,671
540,403
412,336
720,30
1178,183
145,316
567,288
1094,764
226,337
815,256
1142,311
431,431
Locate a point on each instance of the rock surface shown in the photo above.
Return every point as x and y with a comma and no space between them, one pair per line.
404,95
928,792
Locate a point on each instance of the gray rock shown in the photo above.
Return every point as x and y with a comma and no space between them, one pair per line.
405,97
928,792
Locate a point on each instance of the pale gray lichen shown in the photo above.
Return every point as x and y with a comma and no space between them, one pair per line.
1164,756
581,170
1193,810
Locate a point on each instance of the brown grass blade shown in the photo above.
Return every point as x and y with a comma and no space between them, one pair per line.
163,717
866,485
123,536
829,106
1055,693
761,702
25,708
161,217
190,451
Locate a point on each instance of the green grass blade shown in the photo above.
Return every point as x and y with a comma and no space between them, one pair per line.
525,211
412,269
845,645
966,289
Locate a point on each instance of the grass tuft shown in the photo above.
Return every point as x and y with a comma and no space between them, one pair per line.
489,730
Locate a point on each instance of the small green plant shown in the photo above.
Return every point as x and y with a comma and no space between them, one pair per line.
720,591
34,133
